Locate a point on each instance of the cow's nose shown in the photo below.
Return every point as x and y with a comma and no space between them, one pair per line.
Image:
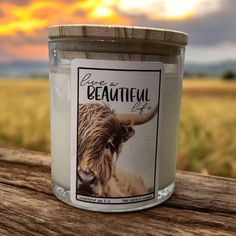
86,178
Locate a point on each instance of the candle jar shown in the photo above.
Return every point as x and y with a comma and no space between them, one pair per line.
115,101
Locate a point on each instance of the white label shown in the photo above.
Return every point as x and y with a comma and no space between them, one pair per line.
114,132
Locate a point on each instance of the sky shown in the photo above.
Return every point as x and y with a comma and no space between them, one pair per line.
210,24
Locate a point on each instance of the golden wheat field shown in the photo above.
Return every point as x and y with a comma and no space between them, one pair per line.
207,141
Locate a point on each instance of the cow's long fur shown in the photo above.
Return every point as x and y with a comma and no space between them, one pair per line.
97,126
123,184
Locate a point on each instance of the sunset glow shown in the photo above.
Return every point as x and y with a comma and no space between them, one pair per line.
38,15
30,19
168,9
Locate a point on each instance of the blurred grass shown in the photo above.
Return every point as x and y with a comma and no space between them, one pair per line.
207,128
24,119
207,141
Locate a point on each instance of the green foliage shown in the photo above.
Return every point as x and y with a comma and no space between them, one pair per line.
229,75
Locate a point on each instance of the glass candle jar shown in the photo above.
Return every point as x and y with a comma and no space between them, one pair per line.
115,101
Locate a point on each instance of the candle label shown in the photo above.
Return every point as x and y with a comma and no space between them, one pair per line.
114,132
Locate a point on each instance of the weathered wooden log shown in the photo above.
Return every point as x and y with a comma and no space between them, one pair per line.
201,205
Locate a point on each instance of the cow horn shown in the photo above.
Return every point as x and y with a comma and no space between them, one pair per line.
133,119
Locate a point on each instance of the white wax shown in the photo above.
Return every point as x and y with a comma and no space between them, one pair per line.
60,128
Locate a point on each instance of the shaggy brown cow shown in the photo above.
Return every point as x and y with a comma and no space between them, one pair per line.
101,135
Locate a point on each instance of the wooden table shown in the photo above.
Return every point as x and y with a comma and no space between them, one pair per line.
202,205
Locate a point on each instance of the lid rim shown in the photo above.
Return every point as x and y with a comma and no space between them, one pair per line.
122,33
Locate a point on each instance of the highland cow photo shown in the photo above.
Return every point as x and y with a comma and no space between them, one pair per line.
101,135
117,133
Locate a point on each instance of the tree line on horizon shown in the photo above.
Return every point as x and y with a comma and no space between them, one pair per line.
227,75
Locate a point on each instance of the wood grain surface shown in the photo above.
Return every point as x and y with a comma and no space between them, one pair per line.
201,205
120,33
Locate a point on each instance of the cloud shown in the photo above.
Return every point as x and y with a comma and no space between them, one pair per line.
169,9
16,2
25,25
209,29
40,14
39,36
210,24
19,49
213,53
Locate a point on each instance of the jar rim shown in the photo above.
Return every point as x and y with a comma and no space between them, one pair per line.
117,33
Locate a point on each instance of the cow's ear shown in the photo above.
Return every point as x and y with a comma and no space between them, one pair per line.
127,132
